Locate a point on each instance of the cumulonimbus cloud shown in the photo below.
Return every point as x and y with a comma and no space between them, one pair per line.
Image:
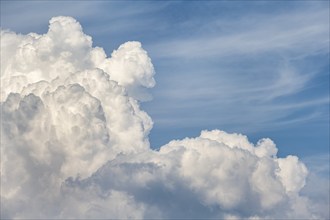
75,142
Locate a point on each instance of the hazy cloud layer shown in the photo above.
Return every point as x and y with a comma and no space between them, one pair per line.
75,143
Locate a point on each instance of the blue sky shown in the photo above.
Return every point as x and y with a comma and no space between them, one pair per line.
252,67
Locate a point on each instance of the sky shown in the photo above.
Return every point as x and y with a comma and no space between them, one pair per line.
257,68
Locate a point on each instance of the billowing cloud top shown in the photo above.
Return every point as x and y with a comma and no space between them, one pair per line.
75,142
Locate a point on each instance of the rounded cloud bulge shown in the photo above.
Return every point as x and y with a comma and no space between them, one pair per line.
74,142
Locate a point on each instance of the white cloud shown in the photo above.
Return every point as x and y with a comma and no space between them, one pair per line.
75,143
294,33
258,60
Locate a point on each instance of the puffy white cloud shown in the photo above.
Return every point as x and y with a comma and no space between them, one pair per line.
65,49
75,142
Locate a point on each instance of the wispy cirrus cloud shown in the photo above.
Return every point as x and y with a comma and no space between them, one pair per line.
300,33
246,72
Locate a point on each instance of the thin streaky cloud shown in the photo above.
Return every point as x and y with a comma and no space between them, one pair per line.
268,34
